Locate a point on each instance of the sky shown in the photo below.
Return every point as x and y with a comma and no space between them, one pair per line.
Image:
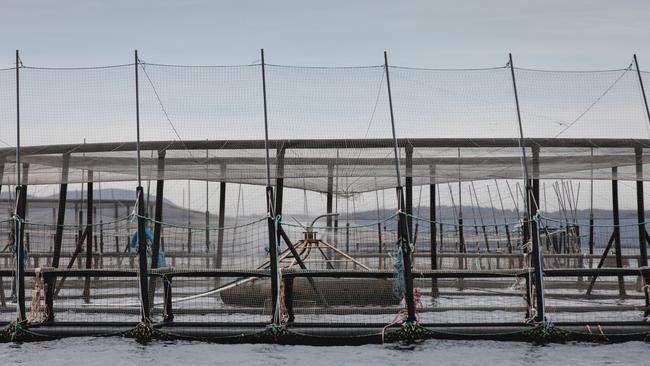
573,35
553,35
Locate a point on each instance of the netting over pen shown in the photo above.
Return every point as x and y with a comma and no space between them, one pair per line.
323,122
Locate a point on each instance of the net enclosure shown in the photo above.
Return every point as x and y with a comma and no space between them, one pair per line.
323,205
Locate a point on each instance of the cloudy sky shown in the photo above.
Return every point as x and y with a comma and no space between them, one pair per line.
555,34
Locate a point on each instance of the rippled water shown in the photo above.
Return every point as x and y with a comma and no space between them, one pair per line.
119,351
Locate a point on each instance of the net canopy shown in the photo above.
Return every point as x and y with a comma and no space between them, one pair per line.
325,124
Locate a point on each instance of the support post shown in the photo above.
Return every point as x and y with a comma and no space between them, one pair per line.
157,234
279,193
222,217
330,194
270,202
279,179
158,214
408,179
142,257
432,229
207,207
531,207
617,230
3,301
142,238
89,235
643,254
21,209
58,235
330,207
402,228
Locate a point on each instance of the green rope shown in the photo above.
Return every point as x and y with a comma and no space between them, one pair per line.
198,228
372,223
539,217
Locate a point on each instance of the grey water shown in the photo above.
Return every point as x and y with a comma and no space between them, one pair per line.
121,351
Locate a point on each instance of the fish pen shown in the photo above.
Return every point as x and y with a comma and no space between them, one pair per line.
323,205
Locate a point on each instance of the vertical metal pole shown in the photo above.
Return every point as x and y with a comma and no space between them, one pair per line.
403,230
279,179
617,230
158,214
432,229
189,217
21,192
643,254
222,218
531,209
270,202
157,235
142,257
591,209
330,196
207,205
21,207
137,116
89,235
142,238
58,235
18,181
409,190
645,100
